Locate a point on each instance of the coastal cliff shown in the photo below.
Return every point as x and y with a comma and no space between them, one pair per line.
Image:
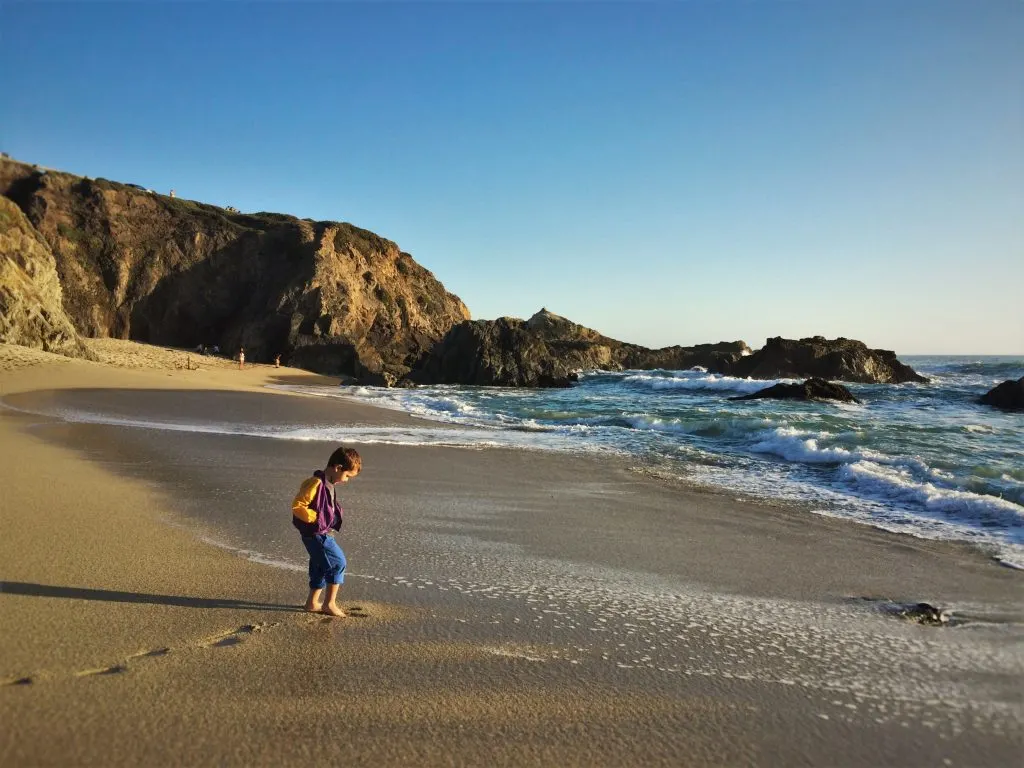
327,296
31,300
96,258
547,350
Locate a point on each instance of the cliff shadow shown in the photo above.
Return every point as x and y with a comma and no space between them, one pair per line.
29,589
243,294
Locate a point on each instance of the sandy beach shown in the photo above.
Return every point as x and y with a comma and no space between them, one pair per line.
506,607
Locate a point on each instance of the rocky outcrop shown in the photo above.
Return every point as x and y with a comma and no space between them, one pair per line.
547,351
812,389
325,295
31,307
717,358
830,359
921,613
1009,395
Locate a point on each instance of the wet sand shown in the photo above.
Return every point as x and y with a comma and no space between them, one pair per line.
509,607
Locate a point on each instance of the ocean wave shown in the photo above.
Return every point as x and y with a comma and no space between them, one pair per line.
981,429
1008,368
697,381
803,446
893,484
416,402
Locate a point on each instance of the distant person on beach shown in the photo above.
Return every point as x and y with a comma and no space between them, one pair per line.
316,513
241,358
277,361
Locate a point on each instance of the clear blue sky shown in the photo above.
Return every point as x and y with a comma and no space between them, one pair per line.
671,172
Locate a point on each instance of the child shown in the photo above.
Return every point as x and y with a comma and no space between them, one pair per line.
316,512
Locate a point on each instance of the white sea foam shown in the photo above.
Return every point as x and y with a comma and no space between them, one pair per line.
800,445
435,403
892,483
983,429
654,424
365,435
804,446
695,381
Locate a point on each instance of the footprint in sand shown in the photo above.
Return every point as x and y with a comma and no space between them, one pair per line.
150,653
351,612
234,636
117,669
231,637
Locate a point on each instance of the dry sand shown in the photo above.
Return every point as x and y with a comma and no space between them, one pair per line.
127,640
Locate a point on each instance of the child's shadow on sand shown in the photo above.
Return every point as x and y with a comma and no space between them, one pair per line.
113,596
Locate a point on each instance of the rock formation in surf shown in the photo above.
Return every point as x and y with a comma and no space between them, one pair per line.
830,359
812,389
1009,395
547,350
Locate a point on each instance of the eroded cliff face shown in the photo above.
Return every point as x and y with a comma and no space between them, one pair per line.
327,296
31,300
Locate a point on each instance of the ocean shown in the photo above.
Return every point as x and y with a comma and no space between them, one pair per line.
920,459
923,459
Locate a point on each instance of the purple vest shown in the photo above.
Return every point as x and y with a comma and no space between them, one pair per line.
328,512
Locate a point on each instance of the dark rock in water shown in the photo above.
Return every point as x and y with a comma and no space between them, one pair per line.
922,613
547,351
1009,395
812,389
326,295
830,359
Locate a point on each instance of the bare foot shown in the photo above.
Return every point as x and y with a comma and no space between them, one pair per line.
333,610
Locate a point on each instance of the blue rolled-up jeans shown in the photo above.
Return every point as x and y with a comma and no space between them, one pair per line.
326,561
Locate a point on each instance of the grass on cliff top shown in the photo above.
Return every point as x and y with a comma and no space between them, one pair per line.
360,239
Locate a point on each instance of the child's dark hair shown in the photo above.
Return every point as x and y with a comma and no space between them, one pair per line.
346,458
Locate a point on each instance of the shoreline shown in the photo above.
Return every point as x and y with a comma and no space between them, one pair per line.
360,413
860,485
757,514
830,535
508,607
